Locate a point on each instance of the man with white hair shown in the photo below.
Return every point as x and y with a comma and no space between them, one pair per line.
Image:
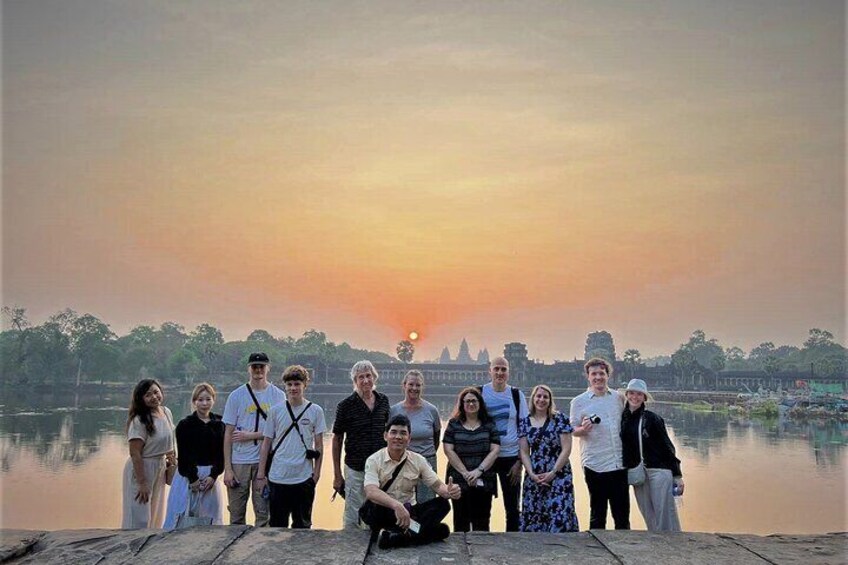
360,423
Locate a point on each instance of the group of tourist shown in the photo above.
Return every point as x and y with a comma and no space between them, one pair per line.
269,447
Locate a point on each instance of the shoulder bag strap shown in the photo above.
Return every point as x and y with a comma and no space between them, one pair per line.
516,400
259,411
542,431
292,426
641,457
391,481
295,420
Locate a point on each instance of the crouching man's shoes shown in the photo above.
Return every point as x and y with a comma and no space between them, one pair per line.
389,540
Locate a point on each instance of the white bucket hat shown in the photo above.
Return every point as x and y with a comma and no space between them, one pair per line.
638,385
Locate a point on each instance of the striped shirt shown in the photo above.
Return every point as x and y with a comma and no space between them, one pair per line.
472,447
363,428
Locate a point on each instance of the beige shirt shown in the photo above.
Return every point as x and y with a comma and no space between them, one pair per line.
158,444
379,468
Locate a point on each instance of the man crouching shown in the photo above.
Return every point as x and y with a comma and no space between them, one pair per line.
391,475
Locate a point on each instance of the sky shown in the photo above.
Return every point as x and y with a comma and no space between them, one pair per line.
500,171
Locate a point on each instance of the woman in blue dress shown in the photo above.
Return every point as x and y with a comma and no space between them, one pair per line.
545,442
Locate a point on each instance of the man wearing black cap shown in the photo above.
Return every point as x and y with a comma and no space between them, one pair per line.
245,413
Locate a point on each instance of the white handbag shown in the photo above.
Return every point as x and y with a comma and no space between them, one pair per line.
637,475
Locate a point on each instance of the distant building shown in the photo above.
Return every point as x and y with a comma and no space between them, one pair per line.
600,344
483,356
516,355
445,358
464,356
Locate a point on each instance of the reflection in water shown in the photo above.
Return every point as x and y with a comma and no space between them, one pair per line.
73,449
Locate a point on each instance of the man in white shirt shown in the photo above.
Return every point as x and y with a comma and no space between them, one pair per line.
598,412
244,415
295,430
506,405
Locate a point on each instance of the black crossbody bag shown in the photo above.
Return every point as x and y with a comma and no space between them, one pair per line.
293,425
310,453
369,508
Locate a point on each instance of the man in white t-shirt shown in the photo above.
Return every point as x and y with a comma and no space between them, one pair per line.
596,417
245,414
294,431
506,405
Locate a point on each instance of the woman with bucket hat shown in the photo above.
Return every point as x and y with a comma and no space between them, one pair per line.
649,455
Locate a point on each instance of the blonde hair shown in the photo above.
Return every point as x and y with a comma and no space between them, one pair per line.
203,387
413,373
551,404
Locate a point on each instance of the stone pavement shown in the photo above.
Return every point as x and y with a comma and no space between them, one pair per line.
221,545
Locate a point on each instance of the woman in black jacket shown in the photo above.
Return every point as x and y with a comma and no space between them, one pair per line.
200,460
662,468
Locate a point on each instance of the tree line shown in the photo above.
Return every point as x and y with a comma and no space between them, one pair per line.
72,348
701,354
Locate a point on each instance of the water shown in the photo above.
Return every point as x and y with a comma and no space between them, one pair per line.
61,463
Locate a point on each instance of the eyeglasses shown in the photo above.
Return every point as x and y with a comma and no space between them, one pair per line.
500,369
471,401
258,367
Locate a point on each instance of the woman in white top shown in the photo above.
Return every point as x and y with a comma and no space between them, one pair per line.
150,433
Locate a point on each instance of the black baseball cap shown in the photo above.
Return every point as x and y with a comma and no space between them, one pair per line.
258,359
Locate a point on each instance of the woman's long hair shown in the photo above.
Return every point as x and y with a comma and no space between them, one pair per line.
551,404
459,411
139,408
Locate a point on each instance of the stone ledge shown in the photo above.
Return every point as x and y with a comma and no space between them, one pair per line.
220,545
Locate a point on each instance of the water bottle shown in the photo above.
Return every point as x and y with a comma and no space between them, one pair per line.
678,495
266,491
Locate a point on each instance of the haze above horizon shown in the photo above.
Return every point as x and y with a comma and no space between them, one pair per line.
503,172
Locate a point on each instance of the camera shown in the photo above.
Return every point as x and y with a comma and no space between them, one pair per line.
313,454
594,418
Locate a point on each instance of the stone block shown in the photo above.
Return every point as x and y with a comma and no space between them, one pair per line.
267,546
825,549
673,548
574,548
88,546
15,543
452,551
199,545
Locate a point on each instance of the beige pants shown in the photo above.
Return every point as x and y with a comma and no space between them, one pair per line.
656,503
354,497
245,474
152,513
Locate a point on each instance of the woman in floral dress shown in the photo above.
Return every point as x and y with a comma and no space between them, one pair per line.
545,441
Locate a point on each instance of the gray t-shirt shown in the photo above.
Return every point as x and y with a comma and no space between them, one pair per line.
425,425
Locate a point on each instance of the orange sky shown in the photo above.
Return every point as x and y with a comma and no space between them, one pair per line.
502,172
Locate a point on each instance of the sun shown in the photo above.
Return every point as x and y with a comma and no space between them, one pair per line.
413,335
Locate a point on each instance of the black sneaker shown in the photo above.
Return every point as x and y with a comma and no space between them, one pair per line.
385,540
441,532
389,540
